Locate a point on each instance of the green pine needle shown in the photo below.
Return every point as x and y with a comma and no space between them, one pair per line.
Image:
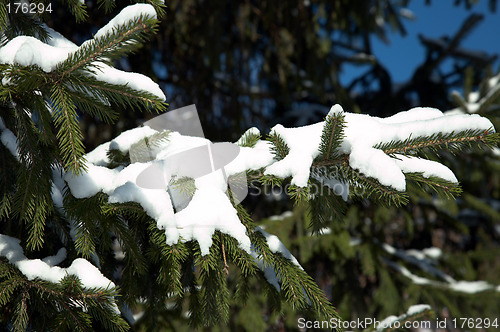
249,139
108,5
332,136
445,189
123,39
69,134
279,147
453,142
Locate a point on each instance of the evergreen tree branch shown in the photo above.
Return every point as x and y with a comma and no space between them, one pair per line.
77,9
249,138
215,296
122,39
94,107
69,134
8,176
332,135
87,218
32,201
482,205
159,6
21,322
23,24
453,142
459,101
298,288
299,194
272,180
491,97
325,208
370,187
108,5
4,21
279,147
442,187
126,96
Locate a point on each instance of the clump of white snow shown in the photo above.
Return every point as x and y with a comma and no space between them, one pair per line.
390,322
28,51
99,156
303,143
428,168
276,246
125,140
362,133
209,210
417,309
251,158
89,275
9,140
127,14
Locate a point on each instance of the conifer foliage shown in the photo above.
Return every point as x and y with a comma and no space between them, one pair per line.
83,247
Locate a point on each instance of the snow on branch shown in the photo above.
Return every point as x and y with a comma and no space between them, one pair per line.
466,287
414,312
65,78
358,146
375,147
45,269
122,34
425,264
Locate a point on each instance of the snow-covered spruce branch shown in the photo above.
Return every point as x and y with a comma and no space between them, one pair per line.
415,312
449,141
80,286
119,37
426,261
200,220
360,159
210,210
88,204
71,76
483,101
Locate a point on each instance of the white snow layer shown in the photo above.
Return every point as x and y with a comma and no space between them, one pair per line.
276,246
362,133
9,140
412,311
467,287
89,275
304,147
417,309
427,167
210,209
125,140
27,51
127,14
